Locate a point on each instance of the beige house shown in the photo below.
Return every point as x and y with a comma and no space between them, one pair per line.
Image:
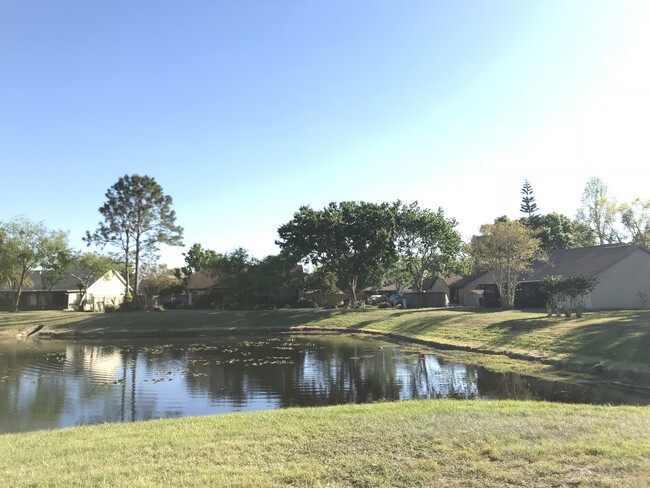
623,272
67,293
107,290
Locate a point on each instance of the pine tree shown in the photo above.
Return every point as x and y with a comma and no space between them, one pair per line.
137,218
528,204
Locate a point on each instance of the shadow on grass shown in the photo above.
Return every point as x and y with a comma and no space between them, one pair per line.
520,326
625,341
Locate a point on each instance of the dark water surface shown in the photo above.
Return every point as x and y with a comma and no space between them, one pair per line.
52,384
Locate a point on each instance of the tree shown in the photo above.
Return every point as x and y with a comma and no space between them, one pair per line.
507,250
85,267
528,204
137,218
599,212
197,258
557,231
354,240
321,281
236,272
26,246
635,217
427,242
277,281
158,280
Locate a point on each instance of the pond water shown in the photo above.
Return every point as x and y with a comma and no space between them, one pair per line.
53,384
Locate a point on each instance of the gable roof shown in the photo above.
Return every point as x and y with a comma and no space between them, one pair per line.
70,282
202,280
585,261
467,279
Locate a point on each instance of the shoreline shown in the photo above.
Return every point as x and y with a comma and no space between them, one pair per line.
608,346
603,374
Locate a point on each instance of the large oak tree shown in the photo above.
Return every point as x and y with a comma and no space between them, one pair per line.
354,240
427,242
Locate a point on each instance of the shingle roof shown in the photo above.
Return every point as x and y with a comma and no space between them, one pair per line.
468,279
202,280
69,283
585,261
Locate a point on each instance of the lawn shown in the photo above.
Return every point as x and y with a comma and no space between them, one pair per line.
613,342
419,443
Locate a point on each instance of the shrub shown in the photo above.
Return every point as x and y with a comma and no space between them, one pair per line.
204,301
305,303
567,294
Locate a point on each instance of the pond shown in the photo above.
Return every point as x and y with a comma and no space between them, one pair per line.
53,384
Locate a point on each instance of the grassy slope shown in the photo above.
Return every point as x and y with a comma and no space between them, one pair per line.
421,443
617,340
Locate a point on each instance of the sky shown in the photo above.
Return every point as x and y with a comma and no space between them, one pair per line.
243,111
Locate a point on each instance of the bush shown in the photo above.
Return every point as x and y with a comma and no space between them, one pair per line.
204,301
305,303
129,306
385,305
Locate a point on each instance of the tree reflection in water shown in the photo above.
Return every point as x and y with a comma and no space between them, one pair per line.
53,384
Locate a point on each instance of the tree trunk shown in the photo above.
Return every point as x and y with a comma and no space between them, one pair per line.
137,265
19,292
127,248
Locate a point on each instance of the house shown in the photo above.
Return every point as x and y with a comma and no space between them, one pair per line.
623,272
202,282
67,293
436,292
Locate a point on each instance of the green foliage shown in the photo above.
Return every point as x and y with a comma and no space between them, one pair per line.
635,217
322,281
137,218
159,281
528,204
26,245
507,250
598,212
277,281
197,258
427,243
305,303
557,231
567,294
354,240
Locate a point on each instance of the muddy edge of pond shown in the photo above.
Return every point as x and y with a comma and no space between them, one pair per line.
601,372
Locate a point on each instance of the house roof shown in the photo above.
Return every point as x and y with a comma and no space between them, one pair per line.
202,280
70,282
467,279
585,261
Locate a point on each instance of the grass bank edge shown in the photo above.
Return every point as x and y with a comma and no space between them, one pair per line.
610,344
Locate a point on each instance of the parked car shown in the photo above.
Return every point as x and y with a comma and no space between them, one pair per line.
375,299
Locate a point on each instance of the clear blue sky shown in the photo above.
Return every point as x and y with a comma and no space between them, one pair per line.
245,110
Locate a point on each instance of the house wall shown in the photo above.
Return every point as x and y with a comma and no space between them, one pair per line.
107,290
468,299
621,283
439,286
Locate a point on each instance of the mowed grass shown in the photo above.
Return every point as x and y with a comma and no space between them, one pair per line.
612,341
418,443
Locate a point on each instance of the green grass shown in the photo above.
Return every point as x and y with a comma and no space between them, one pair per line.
419,443
615,342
